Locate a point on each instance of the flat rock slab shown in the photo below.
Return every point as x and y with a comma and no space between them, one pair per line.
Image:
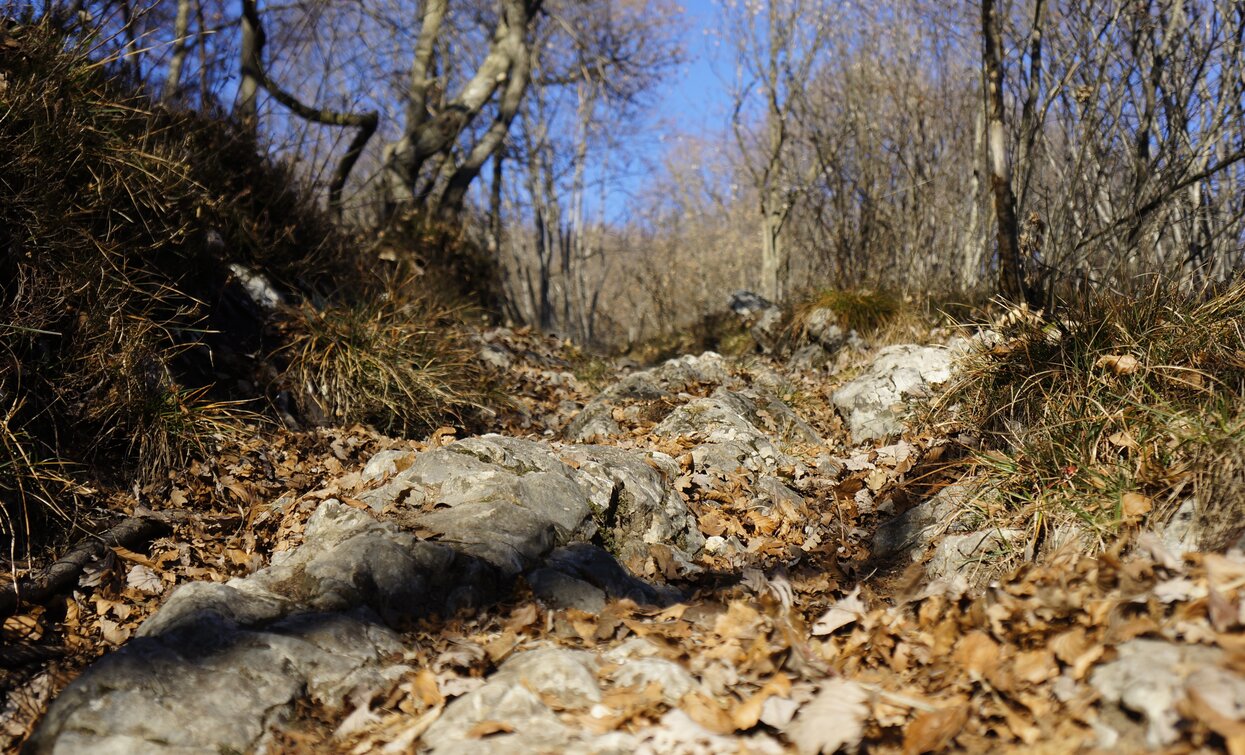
875,403
510,501
218,664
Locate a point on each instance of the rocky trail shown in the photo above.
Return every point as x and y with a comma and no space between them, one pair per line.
709,556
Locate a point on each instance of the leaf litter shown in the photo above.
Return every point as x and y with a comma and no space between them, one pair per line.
793,642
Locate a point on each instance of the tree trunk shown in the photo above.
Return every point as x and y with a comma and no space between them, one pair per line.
181,48
1011,266
248,90
428,135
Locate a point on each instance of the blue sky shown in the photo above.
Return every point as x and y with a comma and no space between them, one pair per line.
697,95
692,100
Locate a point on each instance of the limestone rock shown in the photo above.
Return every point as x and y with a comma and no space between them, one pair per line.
596,419
512,697
636,504
913,530
507,501
973,554
218,664
875,403
740,429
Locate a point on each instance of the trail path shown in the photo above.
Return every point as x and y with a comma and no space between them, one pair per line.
692,560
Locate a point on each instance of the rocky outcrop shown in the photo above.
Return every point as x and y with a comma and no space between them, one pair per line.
670,378
219,665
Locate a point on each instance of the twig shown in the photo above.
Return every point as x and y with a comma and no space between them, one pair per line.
65,571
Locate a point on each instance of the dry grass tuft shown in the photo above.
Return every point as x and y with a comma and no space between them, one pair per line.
1118,412
402,366
862,310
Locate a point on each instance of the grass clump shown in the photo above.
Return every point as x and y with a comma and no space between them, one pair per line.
1118,412
403,367
863,310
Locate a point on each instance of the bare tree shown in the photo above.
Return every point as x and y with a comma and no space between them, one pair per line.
777,47
1011,267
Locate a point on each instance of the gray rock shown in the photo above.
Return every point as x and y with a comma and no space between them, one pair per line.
497,356
597,568
666,379
741,429
217,665
974,554
636,504
914,529
809,357
821,327
386,464
560,590
507,501
767,329
512,696
510,501
673,680
875,403
748,303
257,286
1180,533
1149,678
535,728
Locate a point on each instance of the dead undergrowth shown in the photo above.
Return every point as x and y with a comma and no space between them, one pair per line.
164,284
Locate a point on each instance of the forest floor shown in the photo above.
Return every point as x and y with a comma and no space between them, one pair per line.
789,634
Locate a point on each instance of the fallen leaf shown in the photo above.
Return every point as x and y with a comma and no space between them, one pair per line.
1123,439
113,632
523,617
1120,364
978,654
748,714
485,728
846,611
933,731
144,580
834,719
1135,504
707,712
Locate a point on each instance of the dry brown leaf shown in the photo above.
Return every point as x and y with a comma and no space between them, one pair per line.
1035,666
708,713
1075,649
21,628
144,580
485,728
978,654
501,646
424,686
523,617
1123,439
748,714
933,731
1135,504
442,436
113,632
740,621
834,719
1120,364
846,611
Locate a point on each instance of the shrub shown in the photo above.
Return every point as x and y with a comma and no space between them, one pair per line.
401,366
